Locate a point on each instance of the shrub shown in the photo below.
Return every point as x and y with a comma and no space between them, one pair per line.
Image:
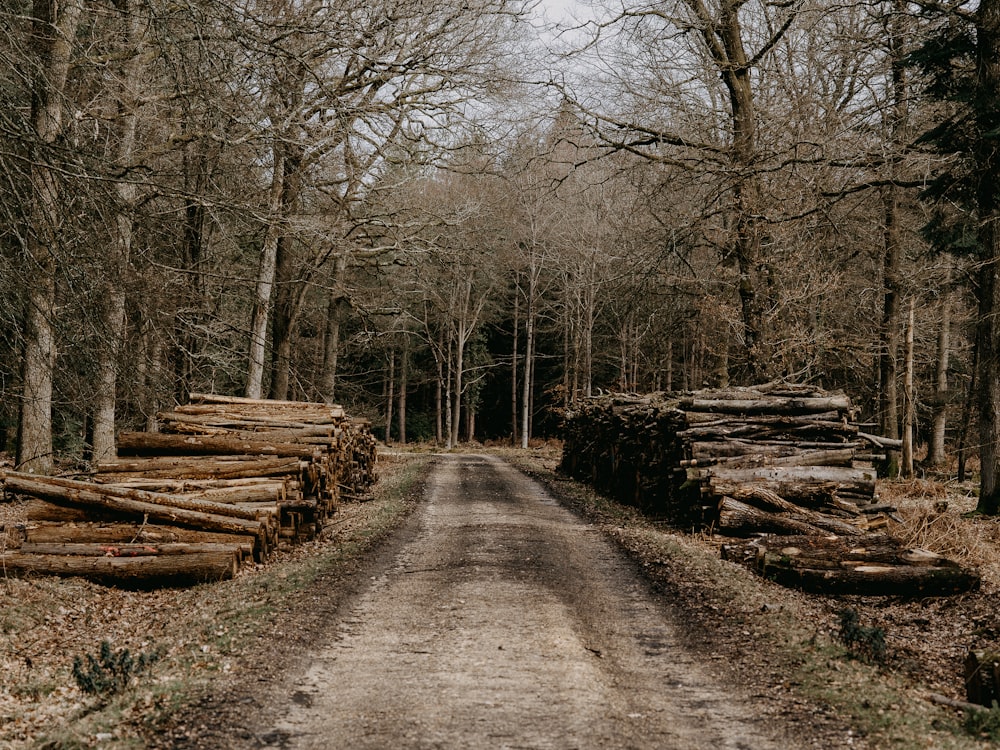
866,643
110,672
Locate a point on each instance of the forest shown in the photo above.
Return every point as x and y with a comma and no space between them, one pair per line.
457,220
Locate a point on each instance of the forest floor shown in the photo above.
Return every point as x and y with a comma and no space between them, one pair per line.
218,645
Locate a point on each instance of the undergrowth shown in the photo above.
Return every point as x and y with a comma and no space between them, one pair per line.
864,642
110,672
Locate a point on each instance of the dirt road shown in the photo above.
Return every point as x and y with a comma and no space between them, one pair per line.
506,623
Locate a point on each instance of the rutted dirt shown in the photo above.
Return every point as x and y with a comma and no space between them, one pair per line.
506,621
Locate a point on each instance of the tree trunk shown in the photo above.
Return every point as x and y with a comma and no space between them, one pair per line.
988,199
390,385
53,33
892,260
513,368
529,363
909,405
121,240
438,390
869,579
265,279
937,455
335,311
290,291
404,374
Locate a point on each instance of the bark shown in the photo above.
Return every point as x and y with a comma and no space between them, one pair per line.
909,406
54,28
108,496
65,530
229,467
870,579
889,332
390,386
529,362
513,370
191,304
724,42
747,406
265,279
988,200
290,294
892,260
404,373
161,444
120,247
142,571
741,519
335,312
937,455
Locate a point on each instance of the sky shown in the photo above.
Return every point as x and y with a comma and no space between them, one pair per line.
558,10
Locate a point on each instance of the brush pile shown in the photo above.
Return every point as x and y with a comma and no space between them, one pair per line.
226,480
757,462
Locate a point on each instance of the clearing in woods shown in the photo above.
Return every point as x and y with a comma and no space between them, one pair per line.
506,622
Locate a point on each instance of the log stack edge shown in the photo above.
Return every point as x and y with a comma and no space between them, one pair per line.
224,480
758,465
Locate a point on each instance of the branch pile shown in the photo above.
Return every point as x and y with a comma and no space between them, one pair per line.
757,462
226,480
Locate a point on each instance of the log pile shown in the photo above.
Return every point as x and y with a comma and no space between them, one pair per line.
775,460
703,457
226,480
301,458
868,565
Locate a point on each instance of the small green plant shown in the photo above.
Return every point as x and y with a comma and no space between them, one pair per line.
865,642
110,672
985,723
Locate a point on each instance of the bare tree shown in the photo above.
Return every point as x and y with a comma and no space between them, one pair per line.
54,30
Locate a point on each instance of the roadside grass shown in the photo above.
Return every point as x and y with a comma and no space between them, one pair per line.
202,632
796,635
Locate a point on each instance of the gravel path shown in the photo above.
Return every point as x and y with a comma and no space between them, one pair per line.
506,623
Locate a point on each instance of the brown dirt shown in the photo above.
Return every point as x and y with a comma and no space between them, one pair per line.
765,657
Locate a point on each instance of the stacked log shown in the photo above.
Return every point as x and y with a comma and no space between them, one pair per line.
769,461
208,541
685,457
226,480
873,565
299,457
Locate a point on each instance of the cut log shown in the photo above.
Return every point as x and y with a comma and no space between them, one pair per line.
265,404
160,444
36,509
92,496
125,533
771,502
875,580
129,549
140,572
228,467
743,453
181,486
770,405
56,488
739,519
873,566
